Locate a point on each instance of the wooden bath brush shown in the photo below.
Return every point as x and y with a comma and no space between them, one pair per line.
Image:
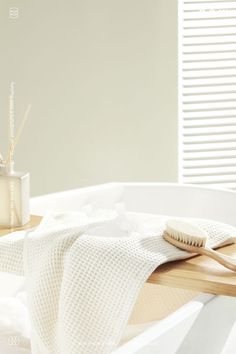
193,239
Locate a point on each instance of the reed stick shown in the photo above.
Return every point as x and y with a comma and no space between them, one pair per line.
22,125
14,139
18,134
11,124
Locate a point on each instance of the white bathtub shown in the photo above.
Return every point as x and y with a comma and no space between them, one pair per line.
164,320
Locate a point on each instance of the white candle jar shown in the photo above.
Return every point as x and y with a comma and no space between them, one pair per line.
14,198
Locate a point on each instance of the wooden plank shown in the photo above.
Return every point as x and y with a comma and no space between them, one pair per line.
199,273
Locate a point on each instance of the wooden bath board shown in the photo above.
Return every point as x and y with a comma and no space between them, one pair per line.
198,273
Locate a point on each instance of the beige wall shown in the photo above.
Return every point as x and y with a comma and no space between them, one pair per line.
102,79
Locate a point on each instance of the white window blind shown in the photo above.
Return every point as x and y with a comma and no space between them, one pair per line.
207,92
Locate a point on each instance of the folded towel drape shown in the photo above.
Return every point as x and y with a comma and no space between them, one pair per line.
84,274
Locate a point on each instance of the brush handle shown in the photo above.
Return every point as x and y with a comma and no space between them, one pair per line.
226,261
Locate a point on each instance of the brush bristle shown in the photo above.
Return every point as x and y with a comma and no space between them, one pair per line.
185,232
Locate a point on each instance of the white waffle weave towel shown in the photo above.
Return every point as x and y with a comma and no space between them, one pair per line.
84,274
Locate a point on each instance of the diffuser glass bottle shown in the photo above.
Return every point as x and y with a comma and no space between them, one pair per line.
14,197
14,186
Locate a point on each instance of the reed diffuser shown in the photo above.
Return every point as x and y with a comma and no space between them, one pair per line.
14,186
